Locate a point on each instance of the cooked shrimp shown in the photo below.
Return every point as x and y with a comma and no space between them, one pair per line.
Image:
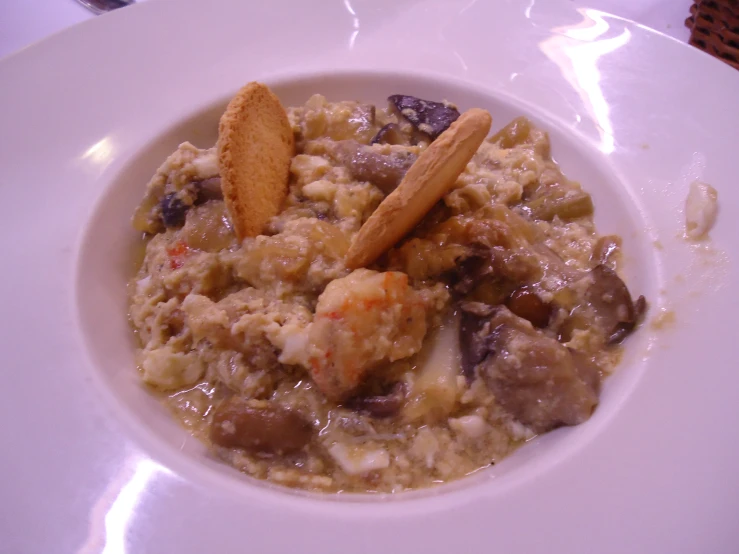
365,319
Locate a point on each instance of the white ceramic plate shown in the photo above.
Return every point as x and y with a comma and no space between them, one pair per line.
90,462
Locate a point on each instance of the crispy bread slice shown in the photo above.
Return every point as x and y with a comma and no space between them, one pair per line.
255,146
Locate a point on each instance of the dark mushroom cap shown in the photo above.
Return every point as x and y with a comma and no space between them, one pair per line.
432,118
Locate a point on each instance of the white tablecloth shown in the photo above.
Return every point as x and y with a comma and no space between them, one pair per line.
23,22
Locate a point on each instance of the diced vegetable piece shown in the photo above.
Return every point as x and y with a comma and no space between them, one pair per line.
208,227
143,218
516,132
472,426
356,459
433,392
569,206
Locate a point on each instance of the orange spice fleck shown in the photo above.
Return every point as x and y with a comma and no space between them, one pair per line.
176,252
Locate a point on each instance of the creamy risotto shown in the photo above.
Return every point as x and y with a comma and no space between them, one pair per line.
494,320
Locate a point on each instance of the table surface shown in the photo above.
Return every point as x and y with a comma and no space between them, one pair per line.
23,22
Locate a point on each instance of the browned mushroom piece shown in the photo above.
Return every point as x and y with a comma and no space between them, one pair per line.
525,303
494,272
540,382
173,210
474,345
423,259
537,380
490,290
209,189
391,134
382,405
603,303
258,426
624,328
365,163
611,302
605,248
489,246
432,118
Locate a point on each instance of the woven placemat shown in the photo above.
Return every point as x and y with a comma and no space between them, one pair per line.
714,26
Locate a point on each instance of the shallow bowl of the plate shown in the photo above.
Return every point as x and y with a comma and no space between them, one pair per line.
105,263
